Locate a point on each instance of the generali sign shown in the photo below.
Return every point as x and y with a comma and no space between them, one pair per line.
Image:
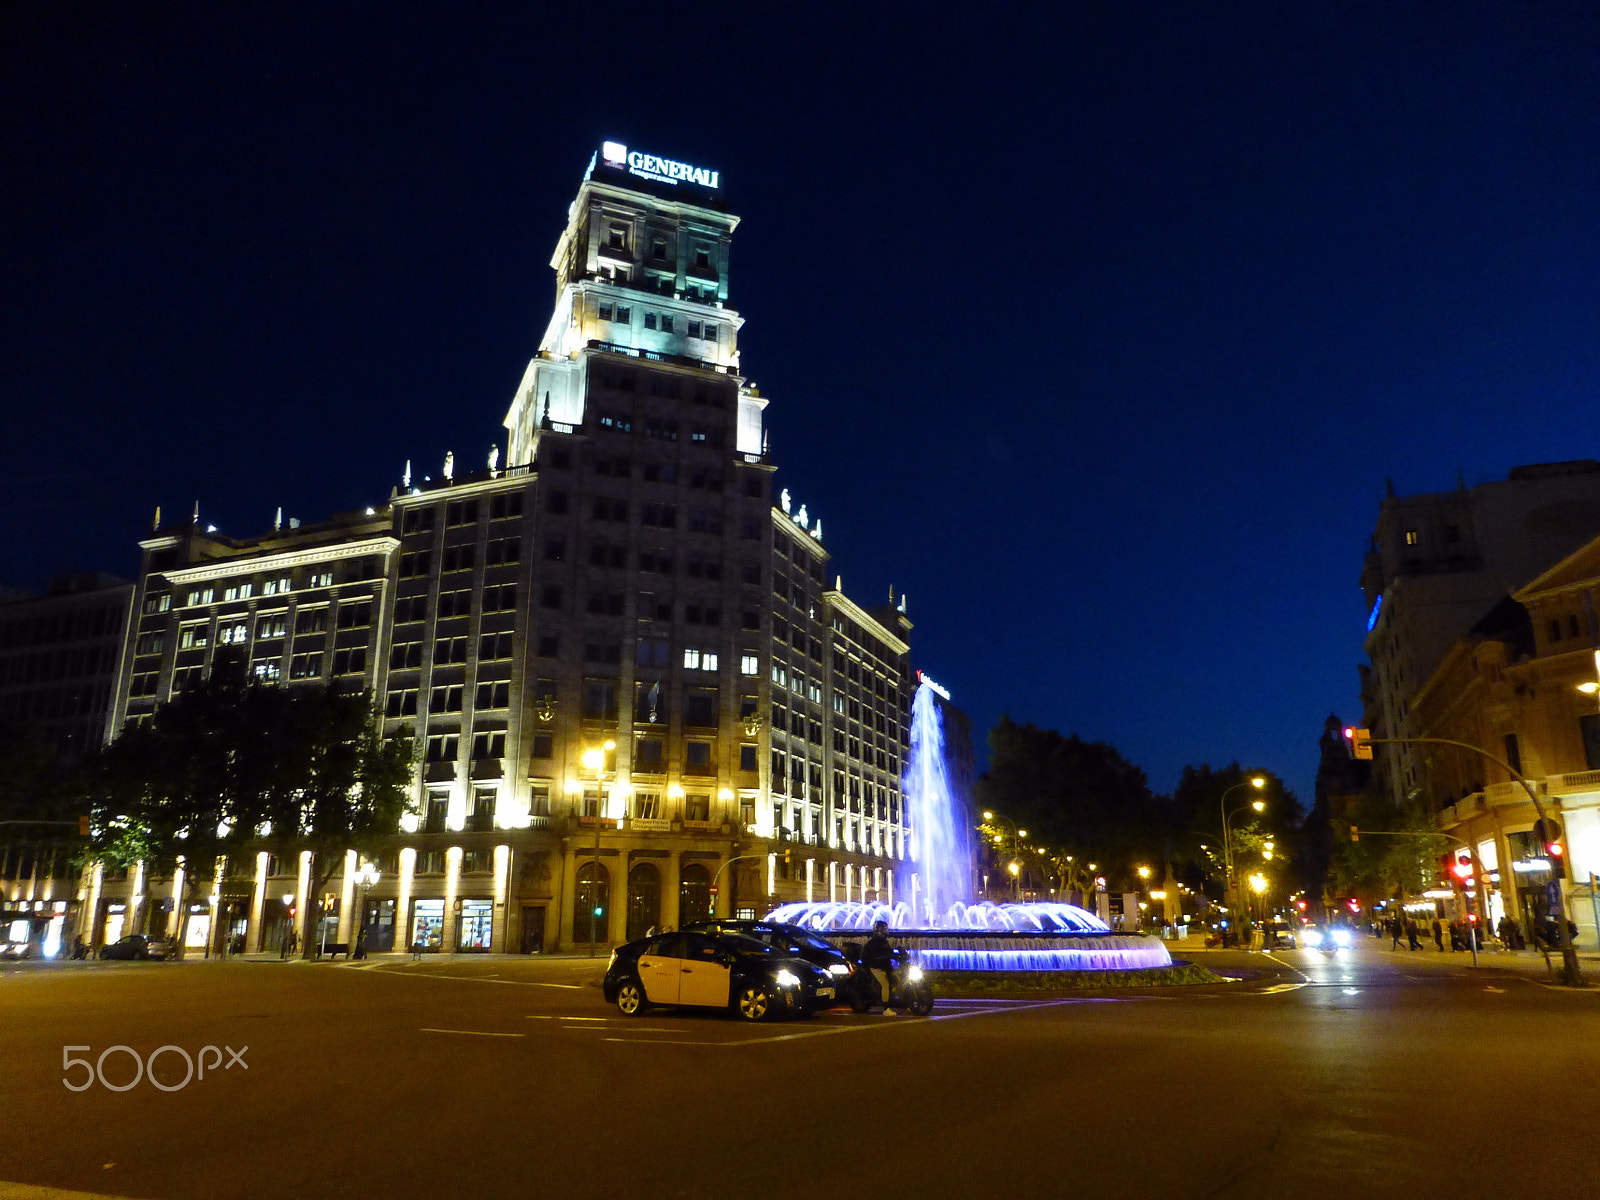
653,166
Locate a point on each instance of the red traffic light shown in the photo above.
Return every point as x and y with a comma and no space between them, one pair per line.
1554,850
1300,904
1353,904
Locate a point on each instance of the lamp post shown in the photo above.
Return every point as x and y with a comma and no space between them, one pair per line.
367,876
1255,781
1258,885
594,759
991,818
288,929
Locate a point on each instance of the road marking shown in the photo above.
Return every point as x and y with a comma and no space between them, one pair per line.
472,1032
404,974
656,1041
24,1191
1494,989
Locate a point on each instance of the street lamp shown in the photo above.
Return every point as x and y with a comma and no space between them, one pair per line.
1016,870
991,817
367,876
1255,781
288,930
594,759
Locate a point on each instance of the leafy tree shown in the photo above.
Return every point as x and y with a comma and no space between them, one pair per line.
230,761
1378,867
1080,798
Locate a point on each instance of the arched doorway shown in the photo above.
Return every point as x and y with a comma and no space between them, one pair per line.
694,894
644,899
593,909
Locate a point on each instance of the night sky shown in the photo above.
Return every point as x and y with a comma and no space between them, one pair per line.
1097,337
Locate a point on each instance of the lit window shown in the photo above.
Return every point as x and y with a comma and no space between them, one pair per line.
749,664
1411,537
691,659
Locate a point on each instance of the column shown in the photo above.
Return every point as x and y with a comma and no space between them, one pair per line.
302,895
135,898
565,937
617,898
811,878
91,910
451,936
671,885
502,908
833,881
402,899
346,931
175,921
258,900
889,878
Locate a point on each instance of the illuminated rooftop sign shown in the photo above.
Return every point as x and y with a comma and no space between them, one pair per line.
656,168
937,690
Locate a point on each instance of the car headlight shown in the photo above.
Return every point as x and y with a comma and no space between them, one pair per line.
1313,937
914,974
1341,937
838,969
787,978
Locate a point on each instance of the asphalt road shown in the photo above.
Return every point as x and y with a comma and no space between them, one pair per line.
1372,1075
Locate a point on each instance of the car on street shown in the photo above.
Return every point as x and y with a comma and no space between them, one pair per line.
1280,935
793,940
15,951
137,947
706,970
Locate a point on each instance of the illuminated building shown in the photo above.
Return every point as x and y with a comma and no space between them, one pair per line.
1437,563
622,576
1522,684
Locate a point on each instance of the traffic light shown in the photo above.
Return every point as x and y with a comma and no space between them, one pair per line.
83,826
1461,869
1353,904
1548,833
788,857
1355,833
1358,742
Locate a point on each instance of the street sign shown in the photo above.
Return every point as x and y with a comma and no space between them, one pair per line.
1552,894
713,889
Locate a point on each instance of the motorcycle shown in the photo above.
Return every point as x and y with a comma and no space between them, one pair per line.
909,988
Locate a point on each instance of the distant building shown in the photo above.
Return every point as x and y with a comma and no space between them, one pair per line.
59,655
622,579
58,660
1522,685
1438,562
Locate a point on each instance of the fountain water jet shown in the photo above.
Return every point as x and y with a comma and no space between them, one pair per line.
948,932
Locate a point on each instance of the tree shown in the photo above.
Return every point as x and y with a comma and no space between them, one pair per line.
1082,798
1382,867
232,761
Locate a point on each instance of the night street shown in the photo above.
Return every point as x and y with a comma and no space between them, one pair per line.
1376,1074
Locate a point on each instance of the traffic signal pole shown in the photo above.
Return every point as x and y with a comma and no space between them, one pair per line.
1571,975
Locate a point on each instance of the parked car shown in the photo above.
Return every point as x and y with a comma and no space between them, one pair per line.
793,940
138,947
705,970
15,951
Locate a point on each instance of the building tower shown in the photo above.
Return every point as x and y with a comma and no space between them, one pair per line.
638,699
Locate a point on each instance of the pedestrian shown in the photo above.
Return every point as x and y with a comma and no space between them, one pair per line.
1412,931
361,946
1438,935
1395,931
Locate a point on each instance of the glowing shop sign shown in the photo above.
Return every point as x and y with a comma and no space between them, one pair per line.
654,167
932,686
1372,617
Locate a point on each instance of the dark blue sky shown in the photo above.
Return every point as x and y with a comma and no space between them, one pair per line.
1097,334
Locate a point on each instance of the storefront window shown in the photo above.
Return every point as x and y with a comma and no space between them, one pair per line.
477,924
427,924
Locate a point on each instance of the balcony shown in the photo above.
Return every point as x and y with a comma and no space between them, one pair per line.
1573,783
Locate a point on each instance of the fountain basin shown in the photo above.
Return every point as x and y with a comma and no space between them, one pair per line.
989,937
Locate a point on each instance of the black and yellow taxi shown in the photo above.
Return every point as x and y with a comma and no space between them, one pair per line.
709,970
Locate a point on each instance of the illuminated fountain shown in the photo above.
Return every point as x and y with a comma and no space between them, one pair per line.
950,933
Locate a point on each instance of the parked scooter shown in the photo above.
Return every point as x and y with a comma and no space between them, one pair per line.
909,988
